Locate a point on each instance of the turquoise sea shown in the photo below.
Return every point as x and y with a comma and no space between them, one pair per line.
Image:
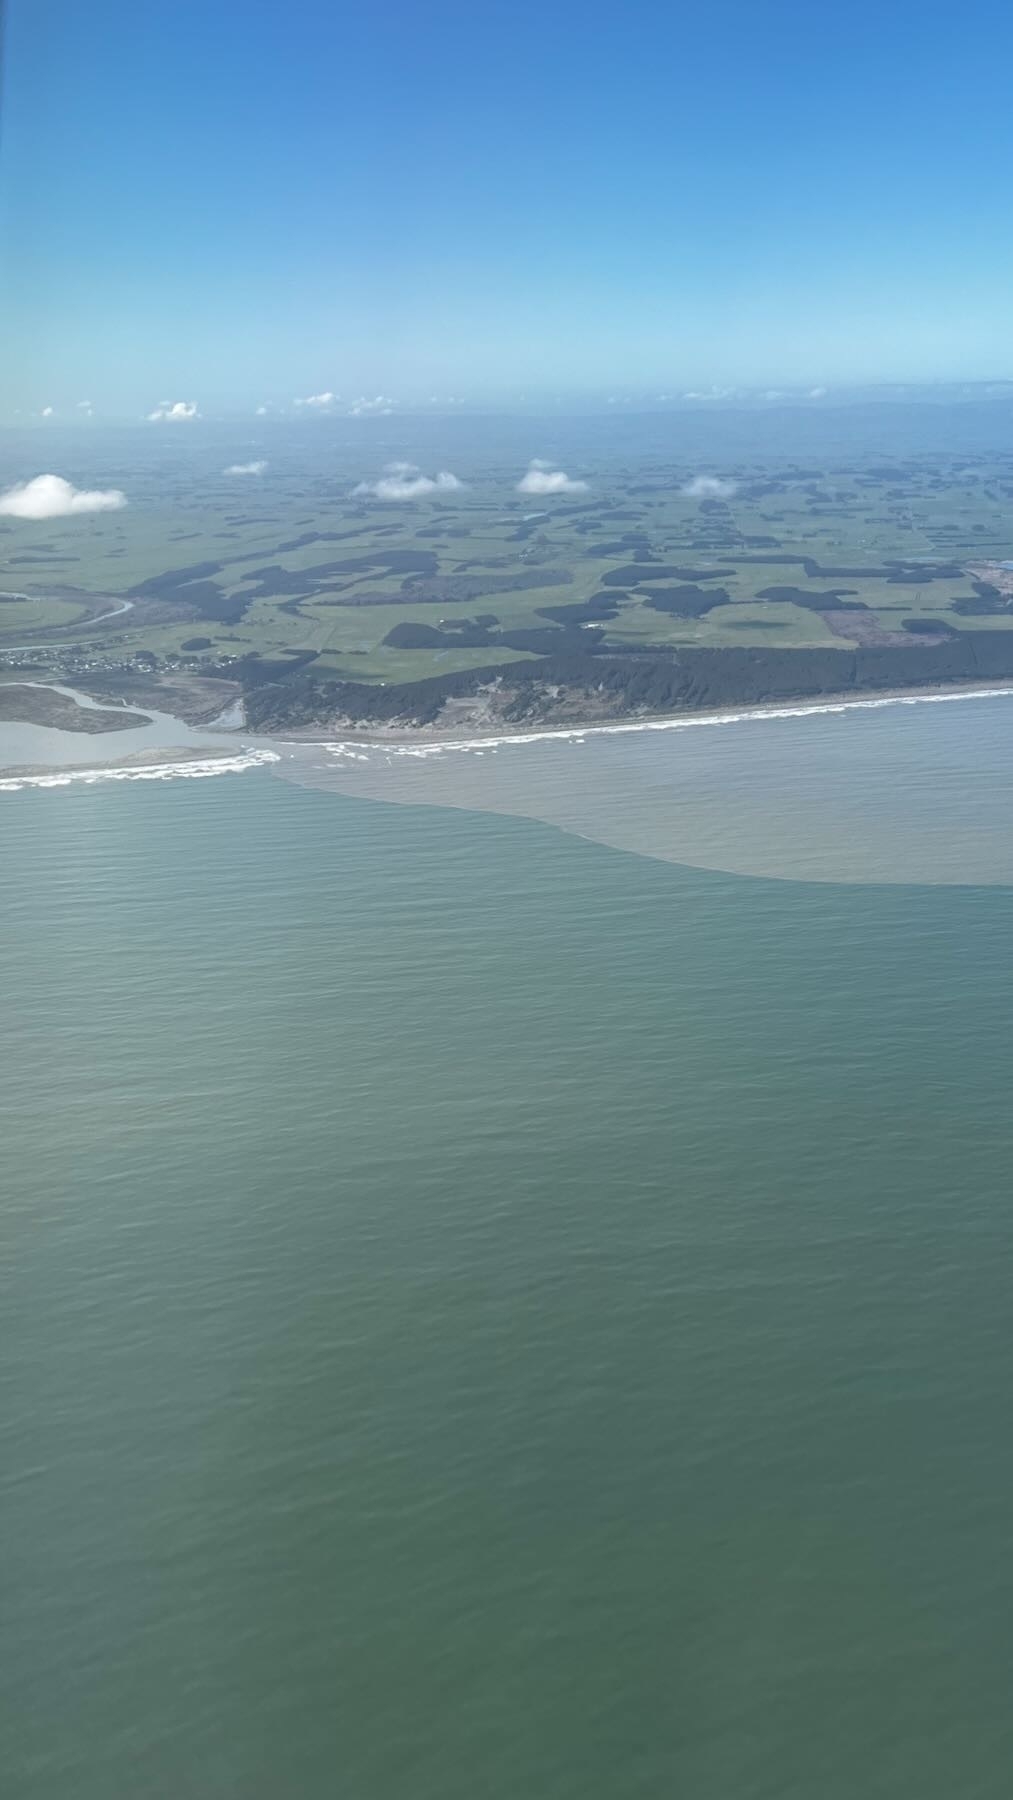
491,1313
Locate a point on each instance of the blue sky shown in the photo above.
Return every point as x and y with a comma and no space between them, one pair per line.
242,203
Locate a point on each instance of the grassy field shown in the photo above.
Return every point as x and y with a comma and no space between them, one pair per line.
268,551
21,618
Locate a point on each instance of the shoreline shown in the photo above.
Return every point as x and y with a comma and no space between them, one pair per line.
426,738
256,751
187,763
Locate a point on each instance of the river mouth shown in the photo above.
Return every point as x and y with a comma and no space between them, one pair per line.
63,709
909,790
38,744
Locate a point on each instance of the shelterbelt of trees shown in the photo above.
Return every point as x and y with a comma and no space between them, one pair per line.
285,694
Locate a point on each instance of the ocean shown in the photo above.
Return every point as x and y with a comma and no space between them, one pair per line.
508,1293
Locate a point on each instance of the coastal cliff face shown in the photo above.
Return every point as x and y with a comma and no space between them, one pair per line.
570,687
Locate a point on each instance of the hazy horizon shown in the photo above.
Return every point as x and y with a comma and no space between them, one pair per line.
185,422
361,213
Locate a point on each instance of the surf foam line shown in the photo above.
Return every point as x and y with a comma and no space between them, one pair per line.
198,769
359,750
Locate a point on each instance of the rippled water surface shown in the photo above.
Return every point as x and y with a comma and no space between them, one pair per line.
488,1314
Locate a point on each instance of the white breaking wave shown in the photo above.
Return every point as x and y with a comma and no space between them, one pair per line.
357,750
194,770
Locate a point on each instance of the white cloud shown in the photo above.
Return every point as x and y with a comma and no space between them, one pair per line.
47,412
402,481
250,468
362,407
174,410
320,402
713,393
542,478
51,497
261,412
817,393
84,406
709,487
